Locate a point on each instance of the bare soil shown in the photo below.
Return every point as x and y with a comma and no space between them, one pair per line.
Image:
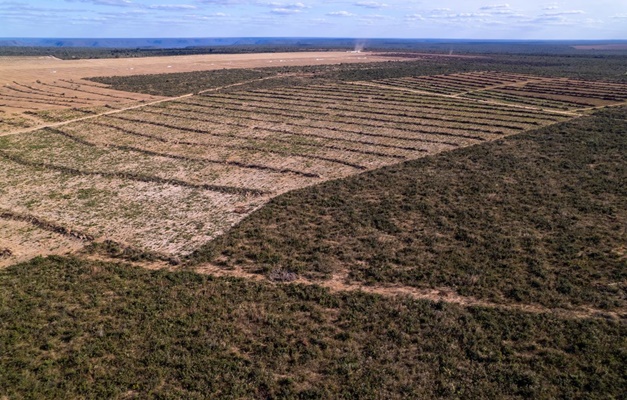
20,241
39,85
169,174
341,283
30,69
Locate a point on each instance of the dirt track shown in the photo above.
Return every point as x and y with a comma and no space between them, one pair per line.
144,104
340,283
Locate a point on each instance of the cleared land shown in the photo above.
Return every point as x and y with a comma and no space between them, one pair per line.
220,155
23,238
27,68
527,90
37,90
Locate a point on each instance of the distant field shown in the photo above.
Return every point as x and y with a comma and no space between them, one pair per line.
528,90
39,90
17,68
617,46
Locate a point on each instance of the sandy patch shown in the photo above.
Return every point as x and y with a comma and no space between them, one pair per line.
21,241
30,69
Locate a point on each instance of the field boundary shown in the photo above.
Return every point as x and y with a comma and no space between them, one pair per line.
134,177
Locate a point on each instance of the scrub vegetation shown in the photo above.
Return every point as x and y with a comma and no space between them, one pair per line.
536,218
76,328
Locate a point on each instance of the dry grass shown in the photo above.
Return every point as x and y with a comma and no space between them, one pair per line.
169,177
154,216
55,100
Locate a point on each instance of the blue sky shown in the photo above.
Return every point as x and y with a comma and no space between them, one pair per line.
474,19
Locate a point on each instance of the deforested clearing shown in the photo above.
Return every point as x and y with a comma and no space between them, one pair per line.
39,90
155,170
169,176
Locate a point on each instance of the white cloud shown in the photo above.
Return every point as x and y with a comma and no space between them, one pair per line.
222,2
370,4
284,11
558,13
495,7
548,19
340,14
289,6
498,9
172,7
116,3
123,15
458,16
207,17
414,17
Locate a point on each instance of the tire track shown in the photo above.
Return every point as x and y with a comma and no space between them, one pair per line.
340,283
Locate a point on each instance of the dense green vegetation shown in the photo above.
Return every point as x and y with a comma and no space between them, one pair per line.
181,83
602,67
80,329
536,218
189,82
120,48
70,53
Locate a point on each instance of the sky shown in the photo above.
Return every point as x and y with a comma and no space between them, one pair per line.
460,19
